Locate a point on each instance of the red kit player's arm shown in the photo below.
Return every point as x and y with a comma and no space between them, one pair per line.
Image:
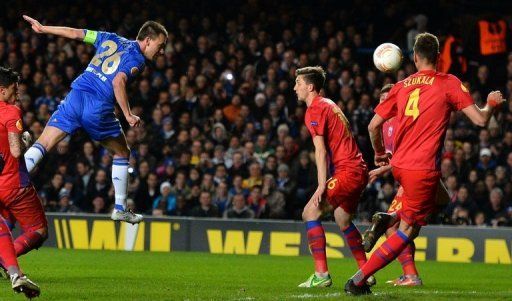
14,127
321,160
479,116
461,100
375,131
384,111
378,172
15,145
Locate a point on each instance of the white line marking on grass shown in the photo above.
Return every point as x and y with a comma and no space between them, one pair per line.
422,292
425,292
311,296
414,292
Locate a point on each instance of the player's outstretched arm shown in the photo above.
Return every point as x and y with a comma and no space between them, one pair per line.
479,116
67,32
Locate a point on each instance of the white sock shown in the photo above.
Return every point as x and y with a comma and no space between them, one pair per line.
33,155
120,181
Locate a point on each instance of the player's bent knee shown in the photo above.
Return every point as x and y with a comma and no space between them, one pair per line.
415,232
343,221
43,235
342,218
43,231
122,152
304,215
310,214
50,137
342,224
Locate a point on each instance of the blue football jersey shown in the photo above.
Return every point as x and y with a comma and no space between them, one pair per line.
114,54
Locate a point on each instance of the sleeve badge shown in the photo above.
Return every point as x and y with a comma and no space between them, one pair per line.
19,125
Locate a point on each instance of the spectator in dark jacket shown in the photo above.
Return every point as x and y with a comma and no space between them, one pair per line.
205,207
239,208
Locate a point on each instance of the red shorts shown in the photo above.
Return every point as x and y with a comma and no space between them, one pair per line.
420,190
345,187
23,205
396,205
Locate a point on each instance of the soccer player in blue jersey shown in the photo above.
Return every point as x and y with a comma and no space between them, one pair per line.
90,103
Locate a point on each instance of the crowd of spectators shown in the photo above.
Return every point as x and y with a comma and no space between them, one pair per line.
223,133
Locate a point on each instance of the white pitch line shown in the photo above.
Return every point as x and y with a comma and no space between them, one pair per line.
311,296
414,292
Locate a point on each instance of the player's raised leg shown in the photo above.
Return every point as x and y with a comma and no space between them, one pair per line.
316,241
381,222
119,148
49,138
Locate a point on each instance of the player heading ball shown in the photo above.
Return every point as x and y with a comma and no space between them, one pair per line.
90,103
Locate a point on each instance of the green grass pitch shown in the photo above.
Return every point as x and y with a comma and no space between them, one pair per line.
109,275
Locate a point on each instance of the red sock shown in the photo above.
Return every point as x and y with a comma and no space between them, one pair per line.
406,259
386,253
316,240
354,240
7,253
27,241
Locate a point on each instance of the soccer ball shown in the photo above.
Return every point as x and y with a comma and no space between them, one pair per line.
387,57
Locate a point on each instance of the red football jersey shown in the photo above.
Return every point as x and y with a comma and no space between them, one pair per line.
14,174
422,104
325,118
388,134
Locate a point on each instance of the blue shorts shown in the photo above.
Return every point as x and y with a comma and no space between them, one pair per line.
85,110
